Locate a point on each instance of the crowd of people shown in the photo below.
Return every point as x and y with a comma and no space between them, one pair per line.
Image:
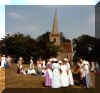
57,73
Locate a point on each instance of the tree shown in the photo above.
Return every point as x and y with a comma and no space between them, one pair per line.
19,45
47,48
84,47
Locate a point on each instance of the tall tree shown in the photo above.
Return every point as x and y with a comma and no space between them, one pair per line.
84,47
19,45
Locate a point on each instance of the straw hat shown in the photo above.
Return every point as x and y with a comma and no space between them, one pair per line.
50,59
60,62
66,59
20,58
54,59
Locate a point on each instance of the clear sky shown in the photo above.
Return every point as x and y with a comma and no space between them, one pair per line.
36,2
34,20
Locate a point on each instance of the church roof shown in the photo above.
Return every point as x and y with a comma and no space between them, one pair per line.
67,46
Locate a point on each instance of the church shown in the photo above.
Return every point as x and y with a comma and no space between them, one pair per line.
55,36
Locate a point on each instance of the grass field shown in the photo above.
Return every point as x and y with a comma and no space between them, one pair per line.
14,80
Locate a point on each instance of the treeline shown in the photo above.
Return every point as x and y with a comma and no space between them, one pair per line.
18,45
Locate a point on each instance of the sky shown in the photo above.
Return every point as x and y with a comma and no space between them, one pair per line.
73,21
3,4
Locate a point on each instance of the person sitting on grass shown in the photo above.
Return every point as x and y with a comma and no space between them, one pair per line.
20,68
31,70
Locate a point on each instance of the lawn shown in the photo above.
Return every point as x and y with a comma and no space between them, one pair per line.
14,80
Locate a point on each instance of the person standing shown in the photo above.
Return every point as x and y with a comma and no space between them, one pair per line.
87,73
48,76
64,75
3,61
56,79
9,60
39,66
71,81
93,66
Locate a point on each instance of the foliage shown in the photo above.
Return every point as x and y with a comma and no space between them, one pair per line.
19,45
84,47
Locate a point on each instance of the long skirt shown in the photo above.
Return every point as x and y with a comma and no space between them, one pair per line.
48,79
2,64
56,80
88,83
71,81
64,79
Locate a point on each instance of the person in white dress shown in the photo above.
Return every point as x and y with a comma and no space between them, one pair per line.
20,68
93,66
87,73
31,70
71,81
3,61
56,78
43,64
64,75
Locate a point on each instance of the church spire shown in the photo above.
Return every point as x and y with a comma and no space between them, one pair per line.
55,23
55,35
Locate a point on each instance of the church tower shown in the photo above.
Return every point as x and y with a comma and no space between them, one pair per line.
55,35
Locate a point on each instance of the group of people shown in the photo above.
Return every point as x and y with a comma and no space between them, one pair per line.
57,73
5,61
22,70
83,73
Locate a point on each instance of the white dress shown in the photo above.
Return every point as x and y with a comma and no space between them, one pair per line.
92,66
3,61
31,70
56,80
64,76
87,74
44,64
71,81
